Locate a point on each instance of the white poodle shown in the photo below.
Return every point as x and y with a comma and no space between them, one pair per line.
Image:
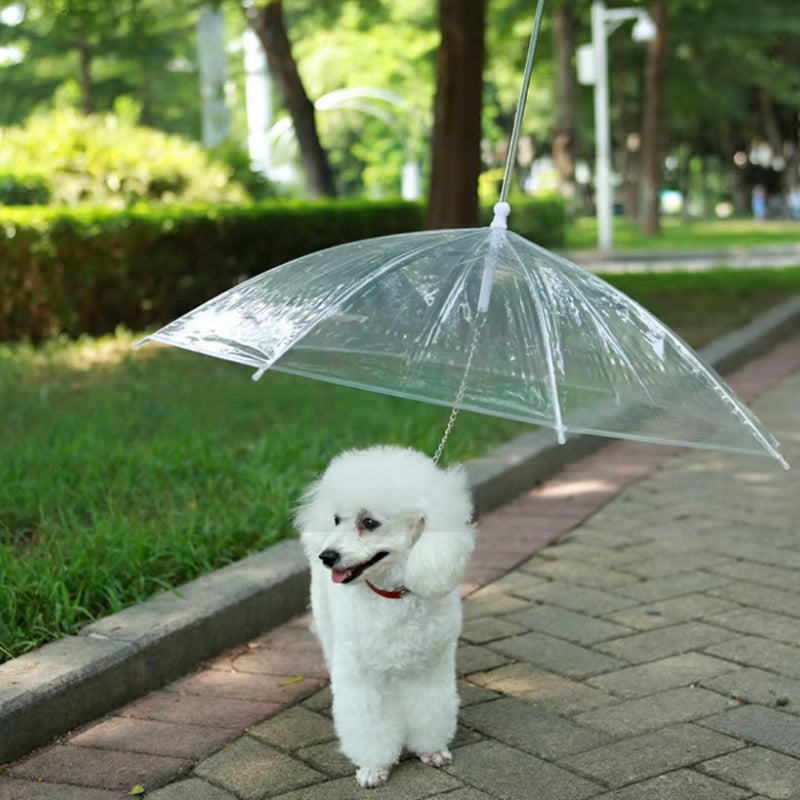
388,535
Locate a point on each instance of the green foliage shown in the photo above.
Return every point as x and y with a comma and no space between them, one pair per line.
89,270
21,189
102,159
238,161
87,53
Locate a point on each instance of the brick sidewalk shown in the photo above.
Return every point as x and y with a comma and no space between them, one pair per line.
654,652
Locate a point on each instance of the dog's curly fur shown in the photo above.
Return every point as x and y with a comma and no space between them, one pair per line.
391,660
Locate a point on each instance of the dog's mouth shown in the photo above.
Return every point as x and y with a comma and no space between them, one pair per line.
351,573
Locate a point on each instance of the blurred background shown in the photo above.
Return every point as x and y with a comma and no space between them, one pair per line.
164,101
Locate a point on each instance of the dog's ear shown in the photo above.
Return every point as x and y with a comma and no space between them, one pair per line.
310,519
436,562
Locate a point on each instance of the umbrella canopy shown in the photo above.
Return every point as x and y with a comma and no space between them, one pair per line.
481,319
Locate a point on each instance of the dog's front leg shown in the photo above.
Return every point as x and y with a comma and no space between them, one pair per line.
430,710
366,715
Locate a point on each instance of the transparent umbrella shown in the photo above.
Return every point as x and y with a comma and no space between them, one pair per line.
480,319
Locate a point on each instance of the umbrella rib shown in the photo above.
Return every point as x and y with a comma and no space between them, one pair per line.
433,324
530,279
609,338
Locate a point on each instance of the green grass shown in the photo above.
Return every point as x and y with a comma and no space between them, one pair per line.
125,472
678,234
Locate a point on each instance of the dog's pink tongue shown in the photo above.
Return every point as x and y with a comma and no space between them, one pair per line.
339,575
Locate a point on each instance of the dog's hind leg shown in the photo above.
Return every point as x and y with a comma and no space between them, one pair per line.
368,724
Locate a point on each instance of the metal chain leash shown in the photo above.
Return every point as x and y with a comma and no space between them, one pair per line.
461,389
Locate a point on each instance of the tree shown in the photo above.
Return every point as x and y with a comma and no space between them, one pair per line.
565,127
89,53
268,22
653,137
455,149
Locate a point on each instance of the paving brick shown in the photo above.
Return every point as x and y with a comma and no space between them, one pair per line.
513,583
579,598
188,709
531,729
671,586
545,690
100,769
410,780
680,785
579,572
758,686
764,771
663,642
321,701
251,770
760,725
556,655
756,652
763,623
467,793
570,551
294,728
661,710
303,657
489,604
769,599
326,758
670,612
664,563
248,686
650,754
753,548
157,738
11,789
568,624
776,577
471,695
486,629
472,658
508,774
657,676
191,789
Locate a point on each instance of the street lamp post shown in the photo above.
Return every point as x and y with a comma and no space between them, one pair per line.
604,23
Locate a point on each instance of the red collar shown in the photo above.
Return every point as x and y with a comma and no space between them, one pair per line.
397,594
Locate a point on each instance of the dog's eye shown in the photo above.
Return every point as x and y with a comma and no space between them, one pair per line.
336,519
370,524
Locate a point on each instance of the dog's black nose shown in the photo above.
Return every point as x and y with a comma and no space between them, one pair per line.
329,557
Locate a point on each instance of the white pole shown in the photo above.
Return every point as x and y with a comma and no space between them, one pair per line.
258,102
213,74
602,130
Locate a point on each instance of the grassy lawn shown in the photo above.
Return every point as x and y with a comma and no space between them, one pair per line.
677,234
125,472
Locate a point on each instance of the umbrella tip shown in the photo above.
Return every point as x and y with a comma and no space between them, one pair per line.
501,212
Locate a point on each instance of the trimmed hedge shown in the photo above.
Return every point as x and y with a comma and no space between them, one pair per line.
88,270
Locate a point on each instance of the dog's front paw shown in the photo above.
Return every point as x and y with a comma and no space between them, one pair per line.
441,758
368,777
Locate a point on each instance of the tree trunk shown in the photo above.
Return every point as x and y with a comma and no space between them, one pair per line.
566,97
653,124
456,152
268,23
87,87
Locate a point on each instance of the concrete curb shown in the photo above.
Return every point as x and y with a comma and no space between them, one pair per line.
64,684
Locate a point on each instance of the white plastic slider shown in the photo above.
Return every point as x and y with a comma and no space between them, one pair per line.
501,212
